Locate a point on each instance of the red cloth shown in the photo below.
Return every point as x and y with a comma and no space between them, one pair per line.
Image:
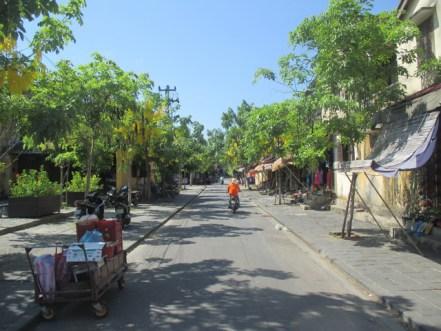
330,179
317,180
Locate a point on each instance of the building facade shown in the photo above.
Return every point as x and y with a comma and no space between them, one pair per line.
399,160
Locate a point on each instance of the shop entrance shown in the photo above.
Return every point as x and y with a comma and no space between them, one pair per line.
430,175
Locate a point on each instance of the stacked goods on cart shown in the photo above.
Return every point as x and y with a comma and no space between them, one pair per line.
111,231
81,271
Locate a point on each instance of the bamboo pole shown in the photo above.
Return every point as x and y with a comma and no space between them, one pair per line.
368,209
395,217
296,178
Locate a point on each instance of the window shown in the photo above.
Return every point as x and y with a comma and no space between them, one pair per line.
426,47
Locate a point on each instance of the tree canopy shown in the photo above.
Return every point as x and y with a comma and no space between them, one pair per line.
343,69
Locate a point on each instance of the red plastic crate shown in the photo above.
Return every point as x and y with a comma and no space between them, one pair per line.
110,249
111,230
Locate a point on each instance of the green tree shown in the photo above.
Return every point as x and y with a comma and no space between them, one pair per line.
346,59
234,124
106,92
214,154
11,112
17,69
266,132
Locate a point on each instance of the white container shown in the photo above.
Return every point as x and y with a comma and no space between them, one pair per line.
94,252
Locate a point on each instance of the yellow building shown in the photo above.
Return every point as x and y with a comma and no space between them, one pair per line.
400,158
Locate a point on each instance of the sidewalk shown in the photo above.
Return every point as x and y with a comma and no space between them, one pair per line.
8,225
403,280
16,284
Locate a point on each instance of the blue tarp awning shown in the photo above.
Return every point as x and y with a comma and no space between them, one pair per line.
403,144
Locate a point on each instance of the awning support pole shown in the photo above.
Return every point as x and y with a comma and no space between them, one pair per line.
280,186
368,209
295,177
274,184
395,217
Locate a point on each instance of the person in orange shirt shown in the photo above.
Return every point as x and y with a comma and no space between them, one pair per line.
233,190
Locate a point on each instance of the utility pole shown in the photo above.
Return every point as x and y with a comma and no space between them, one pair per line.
169,101
167,91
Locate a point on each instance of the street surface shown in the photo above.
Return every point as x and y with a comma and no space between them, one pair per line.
208,269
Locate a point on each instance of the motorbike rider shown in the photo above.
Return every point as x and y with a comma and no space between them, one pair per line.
233,190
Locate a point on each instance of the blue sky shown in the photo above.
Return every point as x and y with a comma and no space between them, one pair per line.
208,49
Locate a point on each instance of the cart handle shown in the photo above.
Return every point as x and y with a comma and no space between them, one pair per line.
57,244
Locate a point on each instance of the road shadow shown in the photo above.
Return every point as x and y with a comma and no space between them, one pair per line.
173,234
377,238
214,295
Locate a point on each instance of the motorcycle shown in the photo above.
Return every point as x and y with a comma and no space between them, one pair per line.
234,204
93,205
136,198
120,201
112,195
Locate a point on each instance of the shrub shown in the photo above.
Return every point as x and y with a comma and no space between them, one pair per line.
33,183
78,183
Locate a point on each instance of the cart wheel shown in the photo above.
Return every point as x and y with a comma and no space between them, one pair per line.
47,312
121,283
99,309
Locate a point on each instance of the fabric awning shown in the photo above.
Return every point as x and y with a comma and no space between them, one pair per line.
263,167
280,163
267,166
403,144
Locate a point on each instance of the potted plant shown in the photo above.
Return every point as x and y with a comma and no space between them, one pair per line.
33,195
77,185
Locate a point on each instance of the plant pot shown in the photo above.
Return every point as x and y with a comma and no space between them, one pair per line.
32,207
74,196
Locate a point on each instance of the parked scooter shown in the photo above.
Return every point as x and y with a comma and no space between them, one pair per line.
93,204
136,198
120,201
112,194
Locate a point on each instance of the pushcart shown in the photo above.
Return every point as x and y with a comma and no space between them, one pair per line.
86,281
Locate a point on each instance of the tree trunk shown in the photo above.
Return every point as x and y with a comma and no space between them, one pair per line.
147,182
351,211
129,180
89,167
62,186
348,203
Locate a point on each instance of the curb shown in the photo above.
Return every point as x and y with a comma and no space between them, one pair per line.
44,220
32,319
407,321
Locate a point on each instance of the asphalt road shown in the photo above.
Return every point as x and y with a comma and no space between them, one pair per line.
208,269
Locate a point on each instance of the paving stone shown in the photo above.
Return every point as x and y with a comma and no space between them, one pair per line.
16,285
388,268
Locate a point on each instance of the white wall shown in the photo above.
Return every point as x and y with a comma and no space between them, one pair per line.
413,11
